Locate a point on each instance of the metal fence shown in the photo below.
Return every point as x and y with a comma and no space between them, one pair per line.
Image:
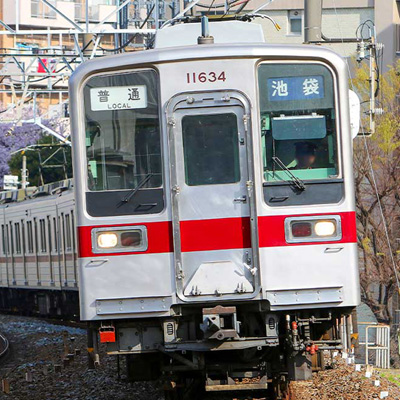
376,345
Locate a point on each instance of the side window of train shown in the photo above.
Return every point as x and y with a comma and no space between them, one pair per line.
49,234
17,238
55,234
123,144
11,236
36,235
73,230
42,228
299,134
29,231
4,240
68,246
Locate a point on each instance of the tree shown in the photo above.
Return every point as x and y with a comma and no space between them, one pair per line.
15,136
377,174
55,156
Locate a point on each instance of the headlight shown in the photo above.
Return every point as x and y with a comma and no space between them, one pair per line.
325,228
313,229
119,239
107,240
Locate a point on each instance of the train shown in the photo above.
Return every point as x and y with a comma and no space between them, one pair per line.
212,224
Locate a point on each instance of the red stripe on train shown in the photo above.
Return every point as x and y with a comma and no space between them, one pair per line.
217,234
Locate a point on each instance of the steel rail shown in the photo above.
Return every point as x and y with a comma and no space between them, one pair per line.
6,345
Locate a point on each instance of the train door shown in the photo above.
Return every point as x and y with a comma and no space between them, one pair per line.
215,232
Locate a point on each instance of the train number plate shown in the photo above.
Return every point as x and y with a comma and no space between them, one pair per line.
203,77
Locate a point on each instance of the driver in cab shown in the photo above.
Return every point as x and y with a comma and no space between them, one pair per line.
305,155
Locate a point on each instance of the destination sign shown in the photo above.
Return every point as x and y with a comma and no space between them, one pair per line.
296,88
118,98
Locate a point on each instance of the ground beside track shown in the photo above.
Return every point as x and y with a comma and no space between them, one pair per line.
37,345
343,382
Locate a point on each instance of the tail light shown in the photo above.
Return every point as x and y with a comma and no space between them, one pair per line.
301,229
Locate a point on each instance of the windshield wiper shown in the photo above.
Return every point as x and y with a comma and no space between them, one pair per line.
296,181
133,191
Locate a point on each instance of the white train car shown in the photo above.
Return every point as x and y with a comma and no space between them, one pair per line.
38,250
215,205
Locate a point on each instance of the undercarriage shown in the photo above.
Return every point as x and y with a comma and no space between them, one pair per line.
225,348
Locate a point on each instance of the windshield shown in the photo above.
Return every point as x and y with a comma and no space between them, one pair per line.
122,131
298,123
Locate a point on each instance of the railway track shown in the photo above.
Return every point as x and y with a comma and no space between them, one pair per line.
4,346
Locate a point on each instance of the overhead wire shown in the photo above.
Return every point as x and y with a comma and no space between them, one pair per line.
132,38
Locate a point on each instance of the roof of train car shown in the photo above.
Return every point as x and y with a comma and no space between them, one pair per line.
31,195
196,51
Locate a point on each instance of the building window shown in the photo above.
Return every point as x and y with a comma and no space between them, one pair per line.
295,22
41,10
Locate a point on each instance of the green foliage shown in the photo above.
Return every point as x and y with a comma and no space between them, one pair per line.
387,125
33,163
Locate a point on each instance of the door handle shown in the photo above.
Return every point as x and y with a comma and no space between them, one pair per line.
333,249
242,199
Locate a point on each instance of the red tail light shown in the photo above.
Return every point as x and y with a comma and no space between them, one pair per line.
301,229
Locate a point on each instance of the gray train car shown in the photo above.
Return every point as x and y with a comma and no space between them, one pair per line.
38,251
215,206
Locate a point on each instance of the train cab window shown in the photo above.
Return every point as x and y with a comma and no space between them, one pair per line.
123,144
211,149
298,125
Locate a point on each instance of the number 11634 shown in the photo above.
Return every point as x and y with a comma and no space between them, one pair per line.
202,77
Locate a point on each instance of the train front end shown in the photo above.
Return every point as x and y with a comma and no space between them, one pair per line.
215,207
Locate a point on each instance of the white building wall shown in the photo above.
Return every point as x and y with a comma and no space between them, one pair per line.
97,12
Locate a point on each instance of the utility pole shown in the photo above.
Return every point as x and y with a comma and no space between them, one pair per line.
24,173
312,21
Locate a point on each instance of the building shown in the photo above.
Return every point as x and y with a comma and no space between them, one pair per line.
38,46
340,19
